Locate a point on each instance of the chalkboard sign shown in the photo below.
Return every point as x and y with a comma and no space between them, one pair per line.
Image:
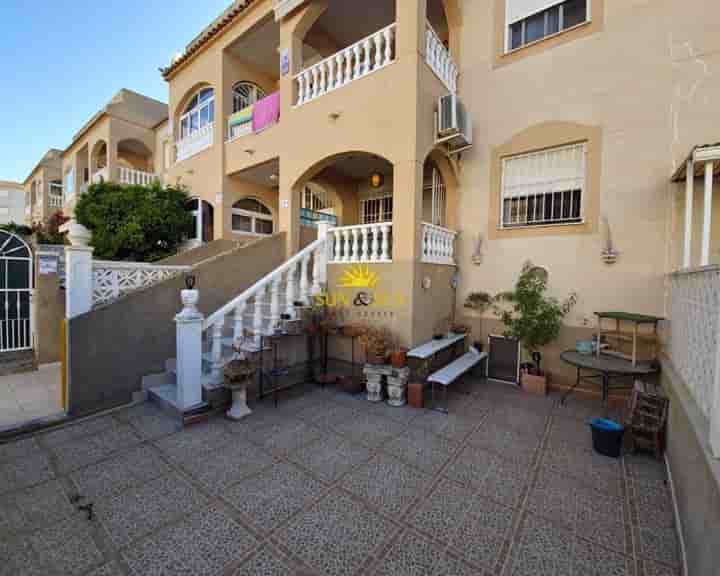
503,359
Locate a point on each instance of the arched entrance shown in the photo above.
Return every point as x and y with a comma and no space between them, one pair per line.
16,280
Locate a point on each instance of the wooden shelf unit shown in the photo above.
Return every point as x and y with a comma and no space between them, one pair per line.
632,337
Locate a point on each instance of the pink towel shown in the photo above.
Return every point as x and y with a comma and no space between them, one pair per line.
266,112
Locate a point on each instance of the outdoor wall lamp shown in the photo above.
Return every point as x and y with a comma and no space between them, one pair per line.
190,281
377,180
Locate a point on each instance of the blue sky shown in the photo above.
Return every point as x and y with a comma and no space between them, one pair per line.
61,61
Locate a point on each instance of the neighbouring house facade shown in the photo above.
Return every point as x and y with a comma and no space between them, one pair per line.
12,202
43,188
125,142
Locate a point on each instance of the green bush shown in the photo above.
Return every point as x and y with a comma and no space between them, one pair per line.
139,223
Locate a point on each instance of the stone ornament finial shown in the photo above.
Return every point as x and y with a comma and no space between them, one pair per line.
77,234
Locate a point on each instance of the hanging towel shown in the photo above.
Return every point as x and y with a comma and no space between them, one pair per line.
266,112
241,116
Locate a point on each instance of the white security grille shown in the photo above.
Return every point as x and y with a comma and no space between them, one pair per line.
246,94
376,209
15,291
545,187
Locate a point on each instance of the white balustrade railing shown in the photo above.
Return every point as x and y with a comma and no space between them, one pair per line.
439,59
297,280
195,142
136,177
55,195
695,340
438,244
366,56
111,280
365,243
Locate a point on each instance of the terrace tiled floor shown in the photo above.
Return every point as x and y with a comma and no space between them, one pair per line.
329,484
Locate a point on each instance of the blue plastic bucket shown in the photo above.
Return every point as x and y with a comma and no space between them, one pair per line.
607,437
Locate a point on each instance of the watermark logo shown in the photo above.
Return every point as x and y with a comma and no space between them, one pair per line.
358,277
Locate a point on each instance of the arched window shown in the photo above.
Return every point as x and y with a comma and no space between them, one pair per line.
249,216
199,112
246,94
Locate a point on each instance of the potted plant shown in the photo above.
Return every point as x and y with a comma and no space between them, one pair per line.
534,319
478,301
398,355
374,342
239,373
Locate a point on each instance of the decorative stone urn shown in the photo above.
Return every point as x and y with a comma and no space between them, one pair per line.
189,300
238,374
397,391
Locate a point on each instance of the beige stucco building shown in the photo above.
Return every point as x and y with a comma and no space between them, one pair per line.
123,142
43,188
580,114
12,202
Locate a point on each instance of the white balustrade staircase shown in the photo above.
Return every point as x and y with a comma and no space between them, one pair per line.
241,323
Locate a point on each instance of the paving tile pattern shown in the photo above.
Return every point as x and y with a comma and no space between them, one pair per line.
326,483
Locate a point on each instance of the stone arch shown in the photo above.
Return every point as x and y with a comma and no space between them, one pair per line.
449,12
99,156
135,154
449,181
183,102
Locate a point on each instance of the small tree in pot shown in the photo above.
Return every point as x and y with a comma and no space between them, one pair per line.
533,317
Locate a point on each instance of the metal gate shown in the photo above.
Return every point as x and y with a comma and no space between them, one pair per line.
16,280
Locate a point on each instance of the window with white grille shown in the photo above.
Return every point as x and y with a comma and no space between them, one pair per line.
376,209
246,94
545,187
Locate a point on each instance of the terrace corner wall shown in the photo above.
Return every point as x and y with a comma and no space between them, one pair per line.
695,476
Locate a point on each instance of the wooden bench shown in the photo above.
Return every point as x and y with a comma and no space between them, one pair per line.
452,372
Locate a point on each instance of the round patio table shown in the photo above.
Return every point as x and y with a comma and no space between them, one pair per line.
605,369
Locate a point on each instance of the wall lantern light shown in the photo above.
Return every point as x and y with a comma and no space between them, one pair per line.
377,180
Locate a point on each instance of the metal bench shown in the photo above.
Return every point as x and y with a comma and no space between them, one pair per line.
457,368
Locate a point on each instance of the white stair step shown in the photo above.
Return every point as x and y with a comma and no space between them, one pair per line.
162,379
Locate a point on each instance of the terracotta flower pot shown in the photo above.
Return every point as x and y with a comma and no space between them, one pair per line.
398,358
535,384
415,394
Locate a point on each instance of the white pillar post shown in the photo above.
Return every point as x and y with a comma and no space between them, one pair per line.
188,329
78,271
689,191
321,255
707,215
217,375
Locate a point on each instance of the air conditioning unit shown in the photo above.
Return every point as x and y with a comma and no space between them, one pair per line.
454,124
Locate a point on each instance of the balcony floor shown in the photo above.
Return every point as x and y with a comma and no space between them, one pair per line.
330,484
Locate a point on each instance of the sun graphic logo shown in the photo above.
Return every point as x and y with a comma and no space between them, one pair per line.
358,277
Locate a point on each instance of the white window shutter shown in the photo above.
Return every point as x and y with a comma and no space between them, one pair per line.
519,9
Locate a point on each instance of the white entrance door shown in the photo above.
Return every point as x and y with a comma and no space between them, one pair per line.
16,276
